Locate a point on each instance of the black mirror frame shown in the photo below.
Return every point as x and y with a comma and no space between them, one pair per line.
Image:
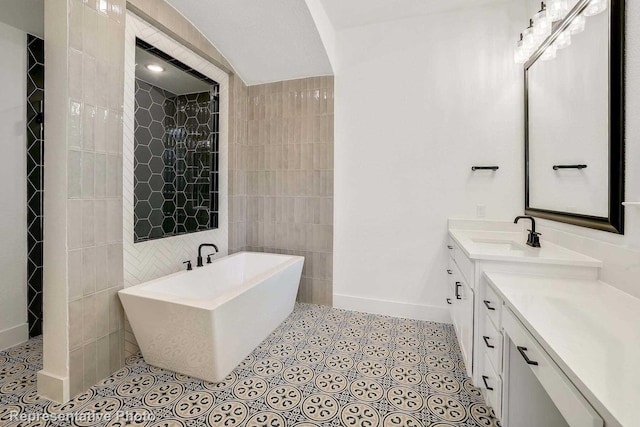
614,223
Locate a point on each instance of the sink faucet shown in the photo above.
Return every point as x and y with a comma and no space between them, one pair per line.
211,245
533,240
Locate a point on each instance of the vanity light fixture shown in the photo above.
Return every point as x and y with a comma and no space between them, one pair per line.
563,40
529,39
521,54
595,7
542,23
577,25
549,53
541,27
155,68
557,9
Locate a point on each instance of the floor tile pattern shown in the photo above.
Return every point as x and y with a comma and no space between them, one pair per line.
321,367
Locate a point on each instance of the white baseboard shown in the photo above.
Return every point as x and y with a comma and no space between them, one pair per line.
14,336
392,308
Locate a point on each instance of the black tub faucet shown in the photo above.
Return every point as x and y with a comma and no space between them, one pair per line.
211,245
534,238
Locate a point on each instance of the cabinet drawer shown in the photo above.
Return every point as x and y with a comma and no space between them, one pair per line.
576,411
491,344
491,385
492,306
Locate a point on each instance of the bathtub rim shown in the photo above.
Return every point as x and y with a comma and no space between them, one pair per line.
140,291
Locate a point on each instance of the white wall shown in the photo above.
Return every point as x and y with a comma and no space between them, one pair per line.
13,209
418,102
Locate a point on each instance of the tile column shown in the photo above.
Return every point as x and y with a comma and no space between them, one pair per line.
83,322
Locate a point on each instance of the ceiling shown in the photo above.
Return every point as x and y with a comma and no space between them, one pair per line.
173,79
26,15
265,41
353,13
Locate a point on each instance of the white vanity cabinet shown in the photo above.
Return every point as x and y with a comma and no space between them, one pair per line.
547,343
475,309
461,303
522,382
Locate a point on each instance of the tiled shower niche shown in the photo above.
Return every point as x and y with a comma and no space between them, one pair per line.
176,157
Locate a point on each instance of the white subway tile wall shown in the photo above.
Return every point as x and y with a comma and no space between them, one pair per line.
95,271
281,175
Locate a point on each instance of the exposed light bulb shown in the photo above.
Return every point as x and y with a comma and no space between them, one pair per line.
577,25
563,40
542,23
557,9
595,7
155,68
549,53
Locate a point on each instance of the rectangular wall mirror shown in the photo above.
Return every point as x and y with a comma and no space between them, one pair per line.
574,120
176,131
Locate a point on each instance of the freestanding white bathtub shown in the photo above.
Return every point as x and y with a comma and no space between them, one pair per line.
204,322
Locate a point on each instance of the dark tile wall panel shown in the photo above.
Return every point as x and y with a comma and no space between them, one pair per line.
176,162
154,190
35,166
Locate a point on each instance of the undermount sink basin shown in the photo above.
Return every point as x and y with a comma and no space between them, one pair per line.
498,245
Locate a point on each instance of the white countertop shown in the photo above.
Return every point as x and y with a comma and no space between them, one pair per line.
518,251
590,329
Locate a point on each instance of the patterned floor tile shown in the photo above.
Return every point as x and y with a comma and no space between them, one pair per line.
321,367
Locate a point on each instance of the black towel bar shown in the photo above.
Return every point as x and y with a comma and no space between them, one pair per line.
485,168
556,167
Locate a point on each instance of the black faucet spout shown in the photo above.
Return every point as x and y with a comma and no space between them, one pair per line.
204,245
533,239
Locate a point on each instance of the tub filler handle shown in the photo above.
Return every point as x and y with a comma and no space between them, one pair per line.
188,262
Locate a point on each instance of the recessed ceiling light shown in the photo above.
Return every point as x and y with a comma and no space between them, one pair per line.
155,68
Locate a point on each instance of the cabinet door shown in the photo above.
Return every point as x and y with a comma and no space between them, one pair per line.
537,389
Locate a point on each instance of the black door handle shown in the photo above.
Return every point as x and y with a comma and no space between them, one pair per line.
486,341
449,272
526,358
449,247
449,301
484,380
486,303
458,284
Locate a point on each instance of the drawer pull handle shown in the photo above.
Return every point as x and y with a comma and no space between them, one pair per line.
484,380
486,303
526,358
458,284
449,272
486,341
449,247
449,301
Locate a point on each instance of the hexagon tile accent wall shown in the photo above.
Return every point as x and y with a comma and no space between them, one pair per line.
175,161
35,185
